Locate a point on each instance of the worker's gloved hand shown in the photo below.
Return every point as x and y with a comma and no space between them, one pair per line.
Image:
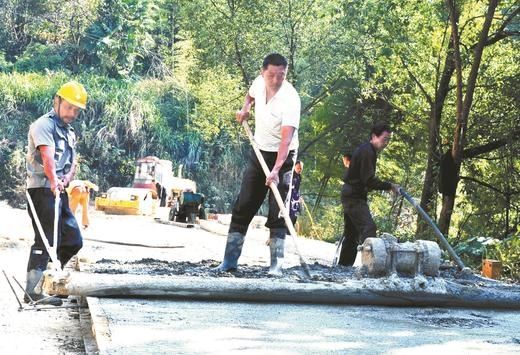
396,189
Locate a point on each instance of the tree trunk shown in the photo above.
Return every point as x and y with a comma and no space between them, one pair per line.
240,64
463,106
429,191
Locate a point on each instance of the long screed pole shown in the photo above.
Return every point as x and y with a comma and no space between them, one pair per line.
277,197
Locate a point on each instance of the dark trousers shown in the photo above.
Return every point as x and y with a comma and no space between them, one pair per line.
293,219
253,191
359,226
69,235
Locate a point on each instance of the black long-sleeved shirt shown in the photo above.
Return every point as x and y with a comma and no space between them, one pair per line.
361,175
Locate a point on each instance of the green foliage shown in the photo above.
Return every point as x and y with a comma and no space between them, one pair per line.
507,251
217,95
472,250
39,58
12,160
121,36
327,226
5,66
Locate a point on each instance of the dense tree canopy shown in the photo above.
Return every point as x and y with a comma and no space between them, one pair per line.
165,77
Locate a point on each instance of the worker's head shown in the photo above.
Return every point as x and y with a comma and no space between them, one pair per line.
298,167
69,100
274,70
347,157
380,136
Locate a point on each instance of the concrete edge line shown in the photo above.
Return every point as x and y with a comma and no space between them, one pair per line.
209,227
100,325
85,322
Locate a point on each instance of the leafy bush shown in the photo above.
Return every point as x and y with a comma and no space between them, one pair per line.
5,66
327,227
507,251
39,57
12,160
473,249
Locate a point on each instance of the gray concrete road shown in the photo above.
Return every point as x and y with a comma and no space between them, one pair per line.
134,326
187,327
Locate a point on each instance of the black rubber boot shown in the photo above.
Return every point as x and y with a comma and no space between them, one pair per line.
276,246
234,244
33,288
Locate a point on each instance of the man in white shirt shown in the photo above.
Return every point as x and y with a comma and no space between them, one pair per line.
277,117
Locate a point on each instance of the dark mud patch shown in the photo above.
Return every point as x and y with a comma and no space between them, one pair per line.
513,340
71,345
460,322
443,318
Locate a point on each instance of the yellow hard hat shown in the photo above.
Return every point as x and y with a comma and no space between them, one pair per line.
74,93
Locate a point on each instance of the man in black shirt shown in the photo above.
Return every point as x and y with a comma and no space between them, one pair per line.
361,178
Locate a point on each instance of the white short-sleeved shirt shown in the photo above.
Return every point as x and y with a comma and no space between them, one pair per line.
282,110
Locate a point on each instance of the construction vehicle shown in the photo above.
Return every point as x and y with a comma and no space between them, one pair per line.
153,184
188,207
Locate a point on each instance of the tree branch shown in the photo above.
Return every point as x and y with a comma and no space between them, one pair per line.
239,62
412,76
501,33
489,186
488,147
326,91
499,36
323,133
220,11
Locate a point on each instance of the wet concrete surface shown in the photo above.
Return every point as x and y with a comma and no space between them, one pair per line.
188,327
149,266
185,327
319,273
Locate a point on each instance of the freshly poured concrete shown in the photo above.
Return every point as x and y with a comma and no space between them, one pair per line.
154,326
187,327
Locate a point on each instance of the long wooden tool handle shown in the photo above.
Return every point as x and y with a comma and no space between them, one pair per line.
438,233
50,250
276,194
56,219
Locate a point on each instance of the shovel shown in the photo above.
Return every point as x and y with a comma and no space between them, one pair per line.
277,197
